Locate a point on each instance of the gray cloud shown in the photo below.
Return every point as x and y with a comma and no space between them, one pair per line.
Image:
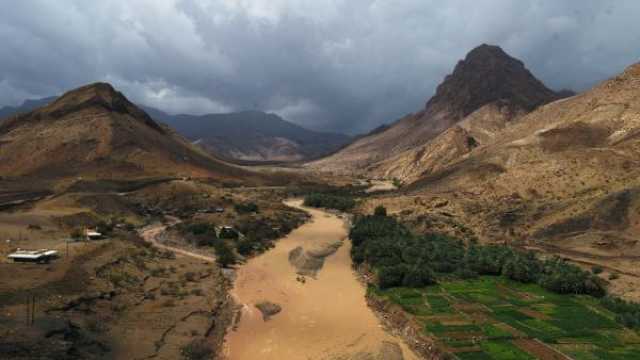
345,65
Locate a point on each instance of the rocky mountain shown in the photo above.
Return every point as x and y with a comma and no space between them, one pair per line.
252,136
563,178
485,92
245,135
94,131
26,106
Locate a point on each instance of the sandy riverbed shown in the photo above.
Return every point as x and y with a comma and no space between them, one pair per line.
322,318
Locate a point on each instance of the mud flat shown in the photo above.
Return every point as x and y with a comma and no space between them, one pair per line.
325,317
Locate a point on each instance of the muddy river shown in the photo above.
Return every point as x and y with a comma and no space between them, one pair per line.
325,317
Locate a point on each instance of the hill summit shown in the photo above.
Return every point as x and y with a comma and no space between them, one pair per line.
488,74
95,131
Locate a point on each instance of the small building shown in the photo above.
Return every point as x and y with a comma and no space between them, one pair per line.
228,232
93,235
37,256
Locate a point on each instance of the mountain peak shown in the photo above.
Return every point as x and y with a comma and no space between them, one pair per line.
488,74
485,51
97,95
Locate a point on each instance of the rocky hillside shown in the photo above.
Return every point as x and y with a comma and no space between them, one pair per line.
486,91
94,131
253,136
245,135
563,179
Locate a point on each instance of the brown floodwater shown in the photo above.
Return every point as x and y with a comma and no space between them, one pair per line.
322,318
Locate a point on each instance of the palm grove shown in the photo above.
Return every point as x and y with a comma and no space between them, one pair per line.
400,258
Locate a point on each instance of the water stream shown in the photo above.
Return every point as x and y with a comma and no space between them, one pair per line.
322,318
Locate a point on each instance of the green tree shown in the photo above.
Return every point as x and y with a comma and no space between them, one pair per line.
380,211
224,254
390,276
419,276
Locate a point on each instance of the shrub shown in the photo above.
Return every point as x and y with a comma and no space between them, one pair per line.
245,247
627,313
197,349
390,276
342,203
246,208
201,229
207,240
563,278
419,276
522,267
224,254
380,211
597,269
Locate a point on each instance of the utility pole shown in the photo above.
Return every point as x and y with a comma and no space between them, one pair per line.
33,310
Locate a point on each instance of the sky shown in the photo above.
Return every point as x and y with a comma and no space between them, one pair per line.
333,65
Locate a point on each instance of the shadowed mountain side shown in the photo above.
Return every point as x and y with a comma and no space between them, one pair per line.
252,136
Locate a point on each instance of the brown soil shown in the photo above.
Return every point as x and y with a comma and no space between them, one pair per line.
112,298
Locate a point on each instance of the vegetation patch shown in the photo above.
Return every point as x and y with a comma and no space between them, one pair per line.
327,201
510,327
494,302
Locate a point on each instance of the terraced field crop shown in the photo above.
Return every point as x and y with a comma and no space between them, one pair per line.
492,318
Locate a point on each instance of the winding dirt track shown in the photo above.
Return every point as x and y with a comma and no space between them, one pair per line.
151,233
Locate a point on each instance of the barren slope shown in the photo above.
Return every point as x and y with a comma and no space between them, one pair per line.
94,131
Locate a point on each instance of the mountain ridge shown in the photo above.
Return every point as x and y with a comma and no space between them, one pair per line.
487,75
244,135
254,135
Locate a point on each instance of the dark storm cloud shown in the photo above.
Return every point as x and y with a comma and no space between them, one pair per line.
344,65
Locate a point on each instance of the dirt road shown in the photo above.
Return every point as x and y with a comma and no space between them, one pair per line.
152,232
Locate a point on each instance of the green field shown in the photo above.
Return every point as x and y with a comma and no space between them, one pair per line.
495,318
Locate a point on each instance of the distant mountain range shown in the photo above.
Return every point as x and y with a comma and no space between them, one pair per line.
246,135
26,106
252,135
